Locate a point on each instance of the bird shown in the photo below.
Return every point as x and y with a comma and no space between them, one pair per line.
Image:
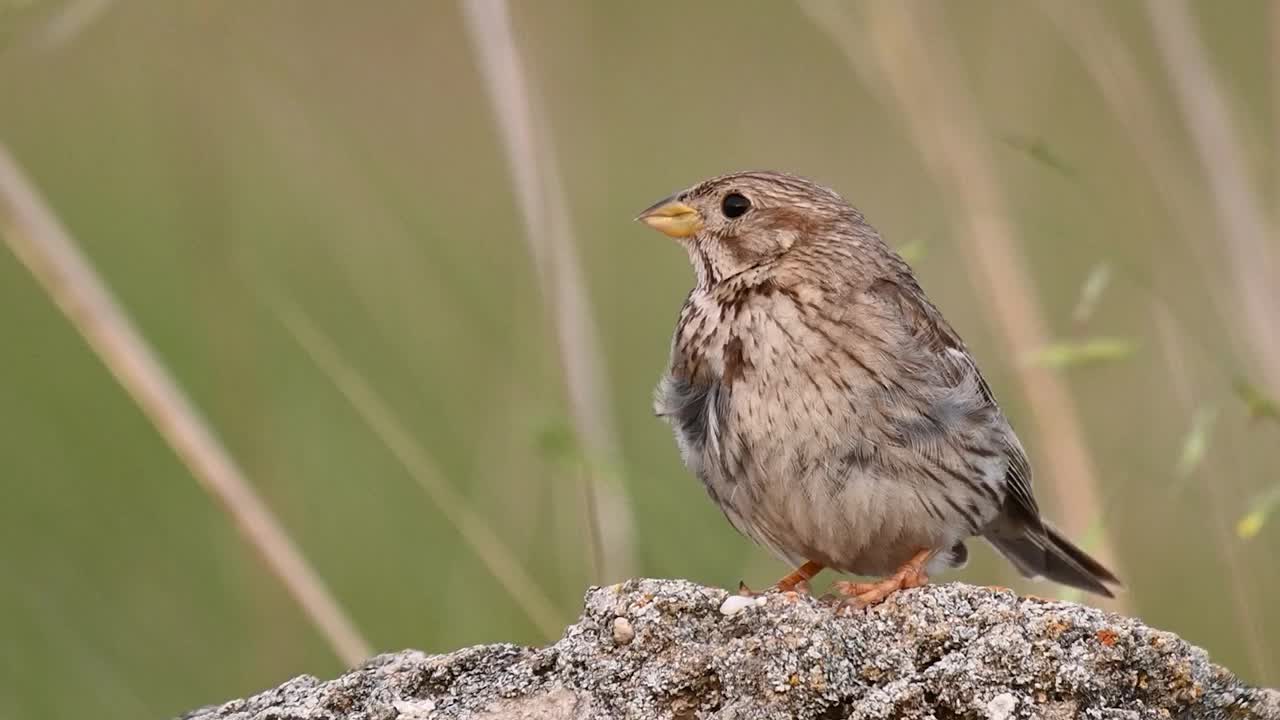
829,409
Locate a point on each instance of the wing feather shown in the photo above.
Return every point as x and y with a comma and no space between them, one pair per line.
955,366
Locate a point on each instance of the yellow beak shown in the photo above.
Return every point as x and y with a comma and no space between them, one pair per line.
673,218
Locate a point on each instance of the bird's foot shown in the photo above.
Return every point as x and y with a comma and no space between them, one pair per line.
858,595
799,588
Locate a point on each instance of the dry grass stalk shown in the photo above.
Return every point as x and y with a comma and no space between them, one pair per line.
1228,549
69,22
473,528
1112,67
310,154
41,243
1247,233
548,232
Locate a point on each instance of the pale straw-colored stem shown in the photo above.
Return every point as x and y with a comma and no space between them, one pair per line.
1248,241
1111,65
1174,352
68,22
309,154
1273,21
377,414
901,54
40,242
548,233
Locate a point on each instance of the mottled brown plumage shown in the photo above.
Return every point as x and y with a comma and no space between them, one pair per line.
829,409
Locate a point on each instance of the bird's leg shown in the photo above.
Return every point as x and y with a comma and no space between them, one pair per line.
909,575
795,581
798,579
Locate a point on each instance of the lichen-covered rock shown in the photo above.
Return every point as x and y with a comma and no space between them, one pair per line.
664,649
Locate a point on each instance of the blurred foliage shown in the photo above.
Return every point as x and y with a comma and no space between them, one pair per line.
1091,292
913,252
1196,444
1261,509
557,443
346,158
1038,149
1074,353
1259,405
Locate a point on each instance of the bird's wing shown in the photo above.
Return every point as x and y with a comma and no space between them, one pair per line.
944,349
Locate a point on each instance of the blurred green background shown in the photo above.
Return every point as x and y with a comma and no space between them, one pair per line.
220,161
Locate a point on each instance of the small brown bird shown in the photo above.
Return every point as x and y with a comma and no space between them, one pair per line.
829,409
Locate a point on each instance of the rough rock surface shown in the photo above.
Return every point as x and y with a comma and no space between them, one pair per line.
667,649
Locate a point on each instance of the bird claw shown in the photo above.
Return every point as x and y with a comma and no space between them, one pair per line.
848,589
858,595
795,583
798,588
855,596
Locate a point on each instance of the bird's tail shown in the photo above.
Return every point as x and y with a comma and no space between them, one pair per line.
1043,552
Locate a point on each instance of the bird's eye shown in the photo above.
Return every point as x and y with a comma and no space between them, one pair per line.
734,205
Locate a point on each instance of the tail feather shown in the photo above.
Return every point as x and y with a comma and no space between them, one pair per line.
1044,552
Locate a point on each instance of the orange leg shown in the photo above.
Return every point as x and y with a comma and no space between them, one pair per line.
908,576
799,578
796,581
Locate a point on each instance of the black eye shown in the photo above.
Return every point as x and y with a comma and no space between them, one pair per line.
734,205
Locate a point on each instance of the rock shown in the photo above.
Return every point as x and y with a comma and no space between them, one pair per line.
1002,706
667,649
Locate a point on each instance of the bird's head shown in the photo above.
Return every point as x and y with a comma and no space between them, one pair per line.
745,220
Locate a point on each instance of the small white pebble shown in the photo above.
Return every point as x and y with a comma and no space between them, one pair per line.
1002,706
735,604
623,633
